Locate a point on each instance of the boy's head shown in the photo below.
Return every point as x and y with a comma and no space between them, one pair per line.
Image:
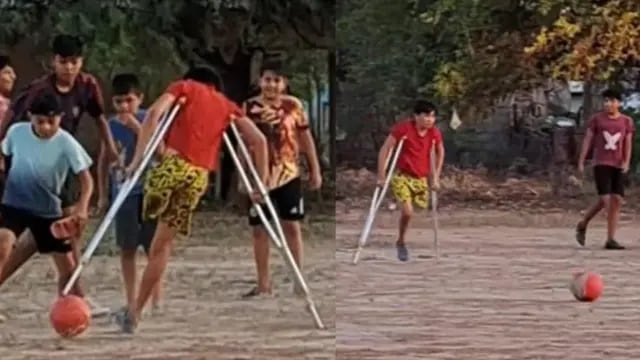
272,80
46,113
205,75
7,75
612,100
424,114
127,94
67,57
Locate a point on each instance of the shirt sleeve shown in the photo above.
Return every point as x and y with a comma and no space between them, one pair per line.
631,128
178,89
437,136
95,104
398,131
77,157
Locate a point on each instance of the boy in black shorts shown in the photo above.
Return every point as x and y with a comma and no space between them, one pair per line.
42,156
284,122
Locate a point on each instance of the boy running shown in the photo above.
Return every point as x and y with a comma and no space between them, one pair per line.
41,156
78,93
611,134
283,121
409,183
174,187
131,230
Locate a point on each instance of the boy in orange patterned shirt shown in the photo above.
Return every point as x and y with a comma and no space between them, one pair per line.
283,121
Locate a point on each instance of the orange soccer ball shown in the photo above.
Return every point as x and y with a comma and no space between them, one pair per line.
70,316
586,286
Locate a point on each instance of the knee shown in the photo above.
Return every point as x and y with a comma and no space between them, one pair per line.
291,229
7,240
260,235
407,212
128,254
605,200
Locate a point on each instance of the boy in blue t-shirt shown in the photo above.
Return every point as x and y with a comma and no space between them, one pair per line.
40,156
131,230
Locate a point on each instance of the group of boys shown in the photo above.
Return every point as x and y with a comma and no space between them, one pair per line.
48,180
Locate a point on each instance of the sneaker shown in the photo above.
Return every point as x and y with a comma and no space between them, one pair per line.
254,292
611,244
125,321
581,234
97,310
403,252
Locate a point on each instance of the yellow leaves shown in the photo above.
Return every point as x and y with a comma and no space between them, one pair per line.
593,46
449,81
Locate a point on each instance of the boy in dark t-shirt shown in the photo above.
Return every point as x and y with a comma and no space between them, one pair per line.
611,135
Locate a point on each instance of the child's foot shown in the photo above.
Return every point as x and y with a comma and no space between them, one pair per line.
255,292
611,244
581,234
403,252
125,321
97,310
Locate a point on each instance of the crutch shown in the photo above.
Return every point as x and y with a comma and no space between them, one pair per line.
434,203
278,239
125,189
376,201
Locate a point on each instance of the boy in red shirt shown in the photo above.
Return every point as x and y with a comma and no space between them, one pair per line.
191,148
409,183
611,134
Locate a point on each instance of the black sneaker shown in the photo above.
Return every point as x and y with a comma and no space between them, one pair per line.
611,244
581,234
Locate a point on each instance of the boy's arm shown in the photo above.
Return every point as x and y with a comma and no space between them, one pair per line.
149,127
440,152
258,144
86,190
383,156
102,174
308,147
586,145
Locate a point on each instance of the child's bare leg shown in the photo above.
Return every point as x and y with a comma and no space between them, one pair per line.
159,254
25,248
592,212
261,255
293,233
128,265
65,264
613,215
7,239
405,218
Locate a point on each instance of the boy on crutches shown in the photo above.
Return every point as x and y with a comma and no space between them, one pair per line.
409,182
173,189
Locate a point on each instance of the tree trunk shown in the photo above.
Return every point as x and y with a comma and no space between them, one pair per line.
333,89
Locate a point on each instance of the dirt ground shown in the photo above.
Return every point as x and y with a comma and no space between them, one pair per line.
202,317
499,290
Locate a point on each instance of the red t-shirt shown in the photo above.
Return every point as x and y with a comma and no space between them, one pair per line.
608,138
196,133
415,157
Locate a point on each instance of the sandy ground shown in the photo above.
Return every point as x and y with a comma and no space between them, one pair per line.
499,290
203,317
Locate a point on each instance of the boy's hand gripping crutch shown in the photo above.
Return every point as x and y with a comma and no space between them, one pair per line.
378,197
434,202
125,189
278,238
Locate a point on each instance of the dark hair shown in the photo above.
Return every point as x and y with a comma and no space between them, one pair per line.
67,46
4,61
46,104
612,94
122,84
204,74
273,66
423,107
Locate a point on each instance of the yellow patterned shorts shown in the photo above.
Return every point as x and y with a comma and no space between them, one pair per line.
172,191
410,189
